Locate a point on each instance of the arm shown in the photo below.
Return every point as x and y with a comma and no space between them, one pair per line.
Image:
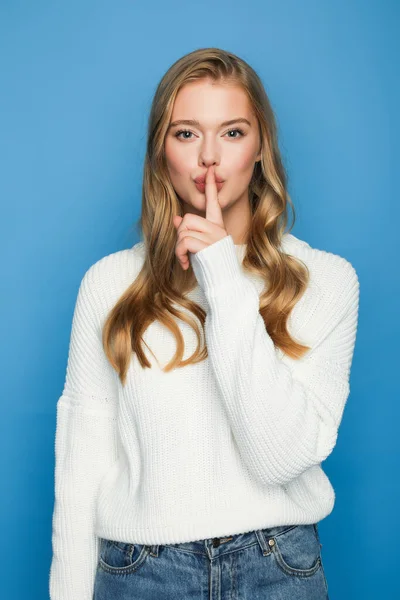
284,413
85,446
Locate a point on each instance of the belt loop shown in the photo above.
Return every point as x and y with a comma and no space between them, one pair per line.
265,548
315,526
154,550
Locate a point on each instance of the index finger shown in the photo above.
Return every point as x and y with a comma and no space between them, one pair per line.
213,207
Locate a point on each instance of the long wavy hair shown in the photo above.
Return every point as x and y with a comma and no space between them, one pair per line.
161,285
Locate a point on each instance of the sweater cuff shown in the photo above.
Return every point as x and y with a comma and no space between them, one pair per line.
217,264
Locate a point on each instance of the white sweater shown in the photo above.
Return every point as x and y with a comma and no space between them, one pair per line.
225,446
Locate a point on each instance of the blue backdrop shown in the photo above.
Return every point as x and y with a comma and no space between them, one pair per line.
77,80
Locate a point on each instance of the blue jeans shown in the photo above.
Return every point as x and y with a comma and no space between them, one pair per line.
277,563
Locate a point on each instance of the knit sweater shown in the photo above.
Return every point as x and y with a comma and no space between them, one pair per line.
228,445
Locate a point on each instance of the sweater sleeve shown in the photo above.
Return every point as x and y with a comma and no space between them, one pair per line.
284,413
85,447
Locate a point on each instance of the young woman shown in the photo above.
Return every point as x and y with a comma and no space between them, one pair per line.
208,370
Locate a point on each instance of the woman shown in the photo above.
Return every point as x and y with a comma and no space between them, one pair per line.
208,369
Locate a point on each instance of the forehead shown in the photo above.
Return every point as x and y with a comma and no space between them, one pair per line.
211,103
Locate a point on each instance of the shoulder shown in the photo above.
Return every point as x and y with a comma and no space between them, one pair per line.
105,280
328,271
115,264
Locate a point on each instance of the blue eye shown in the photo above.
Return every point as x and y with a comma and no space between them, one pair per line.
239,130
178,133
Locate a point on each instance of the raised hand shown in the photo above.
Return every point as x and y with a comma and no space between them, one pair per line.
196,233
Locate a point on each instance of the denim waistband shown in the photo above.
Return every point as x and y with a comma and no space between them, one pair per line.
214,547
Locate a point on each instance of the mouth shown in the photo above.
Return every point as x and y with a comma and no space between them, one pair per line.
202,179
202,186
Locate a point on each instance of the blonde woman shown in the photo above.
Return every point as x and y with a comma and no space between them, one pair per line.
208,369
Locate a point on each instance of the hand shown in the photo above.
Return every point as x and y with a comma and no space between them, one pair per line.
196,233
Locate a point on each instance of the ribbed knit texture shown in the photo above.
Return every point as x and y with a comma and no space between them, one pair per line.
229,445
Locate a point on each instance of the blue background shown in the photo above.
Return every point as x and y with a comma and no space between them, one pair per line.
77,81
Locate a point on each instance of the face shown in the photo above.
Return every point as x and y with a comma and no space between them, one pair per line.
232,148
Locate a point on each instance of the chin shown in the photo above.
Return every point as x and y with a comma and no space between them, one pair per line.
193,206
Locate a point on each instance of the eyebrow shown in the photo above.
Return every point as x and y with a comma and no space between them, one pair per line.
197,123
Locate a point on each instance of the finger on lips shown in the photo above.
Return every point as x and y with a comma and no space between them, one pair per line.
213,208
213,213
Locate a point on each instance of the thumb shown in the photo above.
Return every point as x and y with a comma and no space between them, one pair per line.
177,219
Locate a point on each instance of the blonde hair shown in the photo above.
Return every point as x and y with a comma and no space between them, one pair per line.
162,282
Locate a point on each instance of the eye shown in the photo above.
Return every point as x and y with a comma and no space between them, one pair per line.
178,133
239,130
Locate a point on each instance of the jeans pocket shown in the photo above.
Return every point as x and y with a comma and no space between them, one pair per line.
121,557
297,550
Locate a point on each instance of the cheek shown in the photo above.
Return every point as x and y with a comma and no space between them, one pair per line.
177,160
241,159
241,167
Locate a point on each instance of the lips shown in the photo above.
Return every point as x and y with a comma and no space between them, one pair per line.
202,179
202,186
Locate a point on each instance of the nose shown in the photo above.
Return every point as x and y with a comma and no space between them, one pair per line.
204,162
209,154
